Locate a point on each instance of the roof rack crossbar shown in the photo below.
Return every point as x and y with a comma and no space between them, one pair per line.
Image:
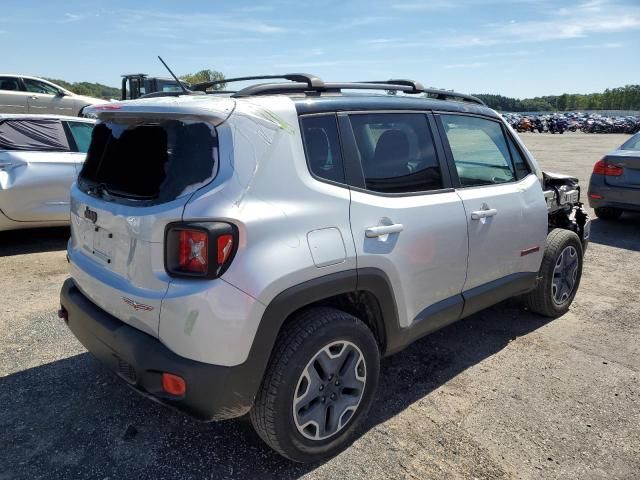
445,94
310,80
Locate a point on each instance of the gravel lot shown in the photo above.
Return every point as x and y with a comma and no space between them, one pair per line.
502,394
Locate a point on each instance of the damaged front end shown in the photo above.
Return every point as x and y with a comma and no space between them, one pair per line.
564,208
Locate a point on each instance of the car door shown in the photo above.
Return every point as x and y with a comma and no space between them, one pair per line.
405,220
46,98
504,204
13,99
37,170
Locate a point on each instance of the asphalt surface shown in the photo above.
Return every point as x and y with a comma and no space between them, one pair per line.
502,394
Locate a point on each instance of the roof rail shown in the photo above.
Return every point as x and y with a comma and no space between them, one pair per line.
307,83
417,86
328,87
311,81
445,94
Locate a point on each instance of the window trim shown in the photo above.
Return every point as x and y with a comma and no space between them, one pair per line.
306,153
449,154
520,151
354,173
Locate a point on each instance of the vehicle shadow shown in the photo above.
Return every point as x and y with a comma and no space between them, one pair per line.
621,233
73,419
35,240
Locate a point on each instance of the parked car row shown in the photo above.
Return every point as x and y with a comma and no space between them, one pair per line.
573,122
23,94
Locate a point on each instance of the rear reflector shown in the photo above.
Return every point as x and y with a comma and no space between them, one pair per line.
174,384
596,196
602,167
225,245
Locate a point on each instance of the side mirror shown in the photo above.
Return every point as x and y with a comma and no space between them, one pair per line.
61,93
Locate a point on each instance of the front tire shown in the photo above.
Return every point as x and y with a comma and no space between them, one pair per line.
608,213
559,276
319,385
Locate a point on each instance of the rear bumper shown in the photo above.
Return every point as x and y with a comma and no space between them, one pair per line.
213,392
616,197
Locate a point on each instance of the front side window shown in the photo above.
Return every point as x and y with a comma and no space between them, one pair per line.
397,152
9,83
35,86
479,150
320,135
81,133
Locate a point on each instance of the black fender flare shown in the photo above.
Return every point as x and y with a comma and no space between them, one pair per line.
298,296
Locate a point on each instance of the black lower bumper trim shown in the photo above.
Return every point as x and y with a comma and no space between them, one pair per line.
213,392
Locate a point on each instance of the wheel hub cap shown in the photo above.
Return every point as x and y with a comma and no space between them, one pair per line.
565,275
329,390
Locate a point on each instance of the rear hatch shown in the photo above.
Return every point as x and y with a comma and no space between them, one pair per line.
629,161
141,170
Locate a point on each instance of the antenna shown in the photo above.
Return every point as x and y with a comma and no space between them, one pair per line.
184,89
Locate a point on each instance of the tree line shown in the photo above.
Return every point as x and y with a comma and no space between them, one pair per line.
621,98
89,89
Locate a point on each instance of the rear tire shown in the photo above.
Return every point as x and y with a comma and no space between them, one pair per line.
319,385
608,213
559,276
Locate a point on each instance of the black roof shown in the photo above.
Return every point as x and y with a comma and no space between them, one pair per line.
348,102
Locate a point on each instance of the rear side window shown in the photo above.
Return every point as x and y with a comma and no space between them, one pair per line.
397,152
322,146
41,135
81,133
9,83
479,150
632,144
156,161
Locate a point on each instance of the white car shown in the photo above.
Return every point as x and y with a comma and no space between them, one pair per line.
40,157
259,252
24,94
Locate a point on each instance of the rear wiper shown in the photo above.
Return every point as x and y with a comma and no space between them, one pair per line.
101,188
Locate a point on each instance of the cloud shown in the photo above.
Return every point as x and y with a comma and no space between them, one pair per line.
590,18
173,25
467,65
597,46
73,17
424,6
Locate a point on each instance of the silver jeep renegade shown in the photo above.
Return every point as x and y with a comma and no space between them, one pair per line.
259,251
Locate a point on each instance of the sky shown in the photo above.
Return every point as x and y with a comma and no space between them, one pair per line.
515,48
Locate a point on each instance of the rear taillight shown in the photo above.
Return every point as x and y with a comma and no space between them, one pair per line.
199,249
192,251
602,167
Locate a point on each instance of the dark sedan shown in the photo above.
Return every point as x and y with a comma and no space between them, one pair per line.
615,181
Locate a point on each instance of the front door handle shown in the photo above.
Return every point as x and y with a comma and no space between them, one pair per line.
478,214
379,230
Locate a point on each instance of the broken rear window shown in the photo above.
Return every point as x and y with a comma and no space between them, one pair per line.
154,161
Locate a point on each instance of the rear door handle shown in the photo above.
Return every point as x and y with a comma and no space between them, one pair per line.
478,214
378,231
